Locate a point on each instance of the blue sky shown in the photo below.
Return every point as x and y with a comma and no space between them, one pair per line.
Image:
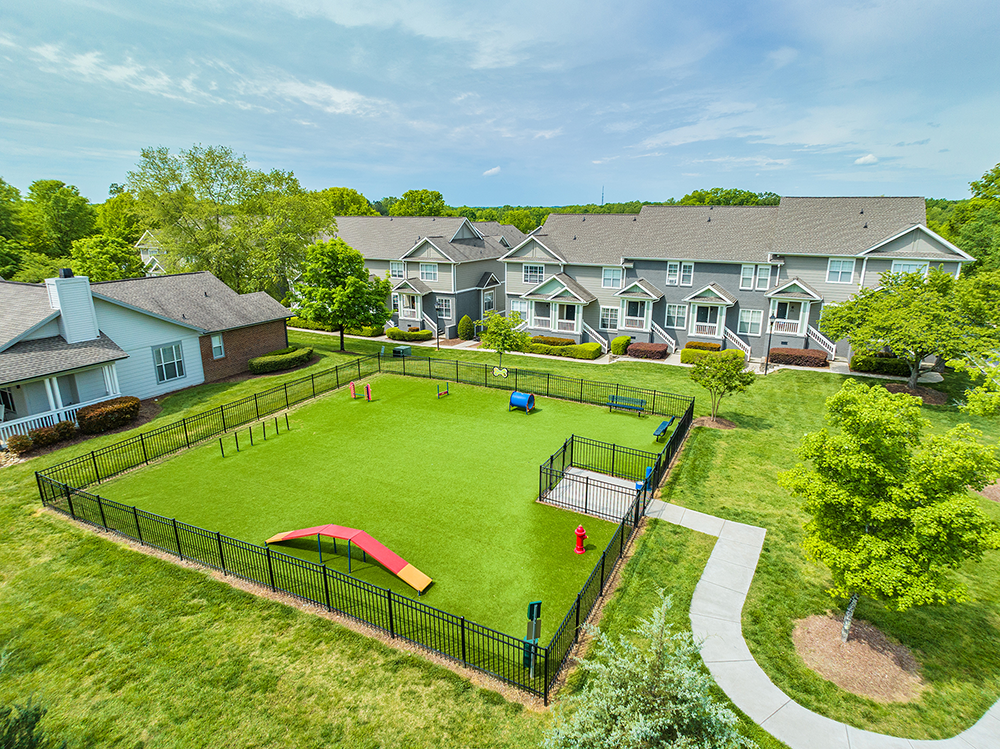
526,103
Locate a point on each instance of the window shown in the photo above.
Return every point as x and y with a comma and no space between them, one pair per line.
763,277
443,308
520,307
676,316
428,272
7,399
840,271
612,278
609,318
488,305
750,321
395,269
635,309
169,362
395,302
910,266
218,350
746,276
534,274
673,271
687,274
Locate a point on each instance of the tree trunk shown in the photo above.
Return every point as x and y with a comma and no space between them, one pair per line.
341,337
849,617
939,364
914,375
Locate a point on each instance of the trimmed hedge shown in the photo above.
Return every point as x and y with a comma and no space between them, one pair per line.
576,351
546,340
879,365
285,358
109,414
620,344
405,335
65,429
703,346
369,331
691,355
19,444
298,322
648,350
466,328
798,357
43,436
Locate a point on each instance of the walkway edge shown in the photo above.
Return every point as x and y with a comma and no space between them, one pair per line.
716,615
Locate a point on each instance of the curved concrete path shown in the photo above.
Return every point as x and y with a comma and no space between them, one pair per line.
716,610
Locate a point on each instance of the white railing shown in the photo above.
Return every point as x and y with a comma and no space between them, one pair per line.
567,326
635,323
706,328
732,338
786,326
596,337
667,338
542,322
824,343
409,313
46,419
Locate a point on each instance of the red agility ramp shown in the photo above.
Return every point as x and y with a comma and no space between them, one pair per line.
380,553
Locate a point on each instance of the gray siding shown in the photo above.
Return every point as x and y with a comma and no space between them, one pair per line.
514,280
48,330
812,270
90,385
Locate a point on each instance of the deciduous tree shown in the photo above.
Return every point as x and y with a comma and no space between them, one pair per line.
419,203
500,333
890,514
343,201
104,258
722,376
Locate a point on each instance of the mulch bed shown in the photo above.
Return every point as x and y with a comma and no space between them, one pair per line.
992,492
718,423
929,396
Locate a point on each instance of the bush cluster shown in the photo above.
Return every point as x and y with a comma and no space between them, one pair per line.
285,358
620,344
703,345
43,436
369,331
409,335
19,444
798,357
547,340
648,350
883,365
466,328
109,414
298,322
576,351
691,355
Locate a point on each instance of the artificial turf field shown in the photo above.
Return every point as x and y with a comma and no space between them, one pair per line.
447,483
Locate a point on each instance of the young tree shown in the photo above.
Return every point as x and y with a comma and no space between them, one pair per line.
721,376
119,217
890,515
912,316
104,258
419,203
336,289
501,334
650,691
977,304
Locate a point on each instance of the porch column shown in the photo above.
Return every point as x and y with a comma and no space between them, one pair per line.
106,371
55,392
48,394
115,387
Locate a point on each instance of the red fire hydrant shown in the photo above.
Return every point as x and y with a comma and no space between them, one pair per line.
581,534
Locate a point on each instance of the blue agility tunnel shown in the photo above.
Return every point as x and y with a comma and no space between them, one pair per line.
521,400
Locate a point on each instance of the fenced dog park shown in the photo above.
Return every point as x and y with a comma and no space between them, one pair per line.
446,484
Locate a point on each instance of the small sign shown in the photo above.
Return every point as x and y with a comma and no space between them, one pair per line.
499,371
534,629
529,655
535,610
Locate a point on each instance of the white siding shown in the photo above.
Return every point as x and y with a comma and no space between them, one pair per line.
48,330
137,334
90,385
77,321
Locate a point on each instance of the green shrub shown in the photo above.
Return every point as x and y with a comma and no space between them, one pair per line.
576,351
880,365
620,345
406,335
298,322
546,340
275,361
798,357
466,328
19,444
109,414
691,355
66,430
703,345
642,350
43,436
368,331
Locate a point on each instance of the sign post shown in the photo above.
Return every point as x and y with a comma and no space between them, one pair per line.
534,631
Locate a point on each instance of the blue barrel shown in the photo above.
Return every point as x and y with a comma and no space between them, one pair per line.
521,400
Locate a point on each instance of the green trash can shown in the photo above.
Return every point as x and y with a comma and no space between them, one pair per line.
402,351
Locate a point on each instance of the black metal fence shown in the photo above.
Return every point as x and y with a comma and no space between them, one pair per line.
529,667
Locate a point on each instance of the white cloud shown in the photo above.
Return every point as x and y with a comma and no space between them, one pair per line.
547,134
761,162
318,95
491,172
779,58
869,159
92,67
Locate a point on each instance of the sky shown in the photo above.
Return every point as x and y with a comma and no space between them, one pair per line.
548,102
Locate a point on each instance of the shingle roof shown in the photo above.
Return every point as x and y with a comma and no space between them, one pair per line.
567,281
704,233
415,283
22,307
495,229
467,250
198,300
647,290
41,357
390,237
783,290
488,279
716,290
591,238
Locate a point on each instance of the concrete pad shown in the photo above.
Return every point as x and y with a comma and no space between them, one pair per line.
954,742
699,521
801,728
713,600
743,534
867,740
665,511
716,648
728,575
985,734
741,554
750,689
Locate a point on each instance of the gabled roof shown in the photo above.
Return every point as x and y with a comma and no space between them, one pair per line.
681,232
510,233
462,250
593,238
390,237
553,287
910,253
534,238
412,284
25,308
794,288
640,288
196,300
43,357
487,280
711,294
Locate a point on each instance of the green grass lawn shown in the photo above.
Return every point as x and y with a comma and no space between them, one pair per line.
447,483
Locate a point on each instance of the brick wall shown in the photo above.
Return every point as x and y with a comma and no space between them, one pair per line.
241,345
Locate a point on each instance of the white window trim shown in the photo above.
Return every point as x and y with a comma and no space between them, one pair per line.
426,269
749,286
175,347
394,304
841,260
763,272
925,263
524,274
690,281
402,269
683,307
601,325
222,346
675,268
605,284
514,306
447,303
760,323
624,317
492,294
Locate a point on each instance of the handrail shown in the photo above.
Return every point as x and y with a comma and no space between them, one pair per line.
824,343
671,343
432,324
596,336
735,340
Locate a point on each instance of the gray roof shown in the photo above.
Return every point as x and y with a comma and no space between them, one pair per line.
42,357
590,238
197,300
720,292
567,281
732,233
782,290
25,306
390,237
485,280
511,233
467,250
415,283
649,290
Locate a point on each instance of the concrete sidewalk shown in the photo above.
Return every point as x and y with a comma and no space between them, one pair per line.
716,611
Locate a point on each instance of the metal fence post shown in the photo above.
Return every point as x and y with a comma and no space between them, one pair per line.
586,492
177,537
222,410
603,555
576,632
359,369
270,569
97,474
222,560
326,590
392,625
69,500
336,373
515,380
100,506
463,643
256,406
286,395
312,378
548,379
187,440
138,528
142,441
546,685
